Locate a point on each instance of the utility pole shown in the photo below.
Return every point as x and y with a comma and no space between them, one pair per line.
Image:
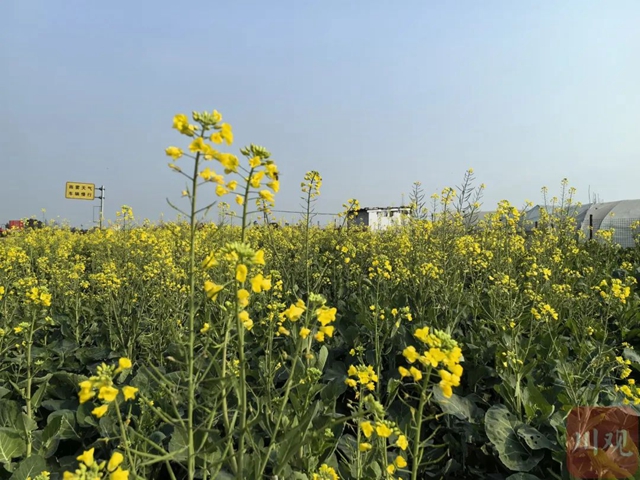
101,197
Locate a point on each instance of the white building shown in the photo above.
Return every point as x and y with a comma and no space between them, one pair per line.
380,218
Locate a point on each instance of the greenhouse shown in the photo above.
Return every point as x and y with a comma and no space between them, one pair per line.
622,216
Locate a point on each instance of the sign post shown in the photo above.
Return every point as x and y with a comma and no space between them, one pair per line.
86,191
101,197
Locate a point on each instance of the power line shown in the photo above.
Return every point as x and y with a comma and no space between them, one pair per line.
302,213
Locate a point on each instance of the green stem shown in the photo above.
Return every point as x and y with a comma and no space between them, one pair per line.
123,432
242,401
191,460
416,452
284,400
247,188
359,437
28,388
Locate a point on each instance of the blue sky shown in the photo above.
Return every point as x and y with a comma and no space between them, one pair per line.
374,95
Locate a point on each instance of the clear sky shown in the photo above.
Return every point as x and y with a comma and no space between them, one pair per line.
374,95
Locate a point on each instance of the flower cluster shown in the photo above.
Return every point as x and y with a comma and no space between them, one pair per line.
90,469
102,385
325,472
37,296
389,432
544,311
443,351
324,316
364,375
312,183
240,257
615,290
260,166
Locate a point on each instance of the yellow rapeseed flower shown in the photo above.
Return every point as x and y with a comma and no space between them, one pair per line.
367,428
212,289
115,461
304,332
108,394
243,297
416,374
400,462
129,392
283,331
243,316
119,474
100,411
294,312
383,431
411,354
259,283
256,178
87,457
226,133
267,196
258,258
174,152
241,272
326,315
124,363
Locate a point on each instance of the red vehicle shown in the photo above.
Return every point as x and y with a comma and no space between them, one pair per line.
17,224
12,225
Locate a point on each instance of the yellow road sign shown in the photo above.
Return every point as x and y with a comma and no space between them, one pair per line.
80,191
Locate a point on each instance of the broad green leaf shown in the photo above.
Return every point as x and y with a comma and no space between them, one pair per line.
4,392
179,443
534,439
534,401
522,476
61,425
459,407
64,385
501,428
11,445
10,414
29,467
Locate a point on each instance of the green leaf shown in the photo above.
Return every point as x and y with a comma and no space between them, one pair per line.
37,397
11,445
501,428
631,355
64,385
522,476
322,357
534,439
27,423
534,401
4,392
29,467
61,425
459,407
10,414
295,436
179,443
